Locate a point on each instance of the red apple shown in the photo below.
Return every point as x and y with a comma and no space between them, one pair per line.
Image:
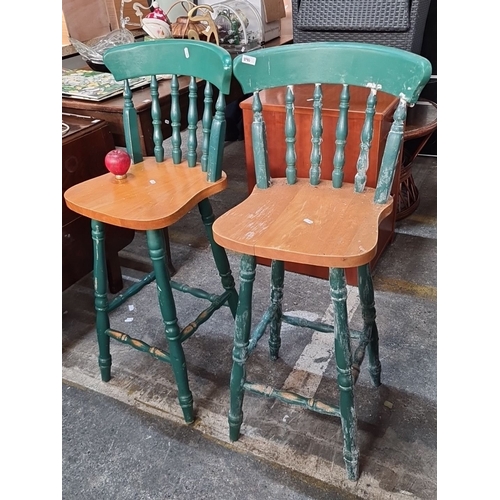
117,162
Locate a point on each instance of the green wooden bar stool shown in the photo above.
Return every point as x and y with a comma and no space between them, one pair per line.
156,192
323,220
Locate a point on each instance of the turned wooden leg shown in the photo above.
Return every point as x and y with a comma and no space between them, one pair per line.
156,245
115,280
220,255
101,299
240,349
370,331
170,264
338,291
277,280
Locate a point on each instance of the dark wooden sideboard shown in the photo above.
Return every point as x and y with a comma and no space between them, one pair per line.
84,147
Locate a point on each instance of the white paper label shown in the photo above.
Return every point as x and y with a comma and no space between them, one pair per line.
248,60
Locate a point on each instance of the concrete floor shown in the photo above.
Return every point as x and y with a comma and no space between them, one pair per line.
126,438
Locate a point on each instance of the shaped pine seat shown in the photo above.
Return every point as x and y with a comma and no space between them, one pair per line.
153,196
305,224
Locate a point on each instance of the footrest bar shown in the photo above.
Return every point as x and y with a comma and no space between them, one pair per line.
305,323
196,292
217,302
132,290
292,398
355,334
139,345
260,328
316,325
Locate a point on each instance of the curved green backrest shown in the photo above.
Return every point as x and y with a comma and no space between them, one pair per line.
207,65
392,70
172,56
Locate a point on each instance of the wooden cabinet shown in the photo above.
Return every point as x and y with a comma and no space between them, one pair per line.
273,102
84,147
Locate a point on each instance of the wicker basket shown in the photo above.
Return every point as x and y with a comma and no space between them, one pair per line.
395,23
195,26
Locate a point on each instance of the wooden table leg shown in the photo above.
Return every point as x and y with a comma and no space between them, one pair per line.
170,265
420,125
115,280
409,197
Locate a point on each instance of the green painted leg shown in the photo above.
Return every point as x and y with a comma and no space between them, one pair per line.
240,350
101,299
156,245
277,280
220,255
367,299
338,291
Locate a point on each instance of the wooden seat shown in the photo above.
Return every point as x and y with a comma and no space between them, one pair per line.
158,191
300,216
315,221
153,196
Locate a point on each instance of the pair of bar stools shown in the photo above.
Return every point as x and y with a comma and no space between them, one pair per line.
314,221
